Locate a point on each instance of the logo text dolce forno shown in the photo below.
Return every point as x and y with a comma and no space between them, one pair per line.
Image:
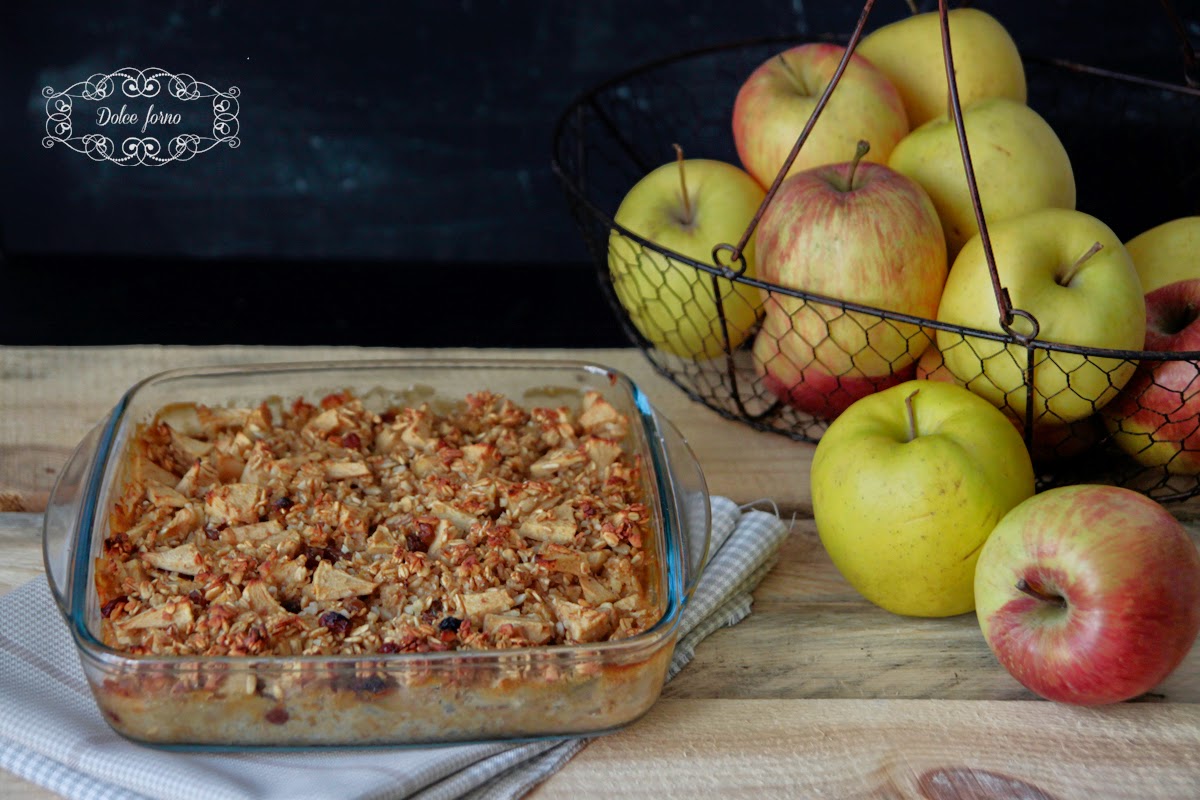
106,116
149,128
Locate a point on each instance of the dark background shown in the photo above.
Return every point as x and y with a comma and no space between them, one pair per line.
393,186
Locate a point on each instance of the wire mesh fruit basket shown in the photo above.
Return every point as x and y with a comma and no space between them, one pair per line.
786,359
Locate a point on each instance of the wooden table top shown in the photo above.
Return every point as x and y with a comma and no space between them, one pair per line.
817,693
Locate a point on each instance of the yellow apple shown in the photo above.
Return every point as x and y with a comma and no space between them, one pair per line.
1020,165
670,302
1079,295
1167,253
909,52
907,484
775,102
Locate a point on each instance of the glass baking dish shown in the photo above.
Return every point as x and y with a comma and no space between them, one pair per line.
391,699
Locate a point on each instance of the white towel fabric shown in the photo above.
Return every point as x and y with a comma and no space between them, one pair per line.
52,734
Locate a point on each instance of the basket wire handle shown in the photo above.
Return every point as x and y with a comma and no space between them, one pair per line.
736,251
1003,300
1004,305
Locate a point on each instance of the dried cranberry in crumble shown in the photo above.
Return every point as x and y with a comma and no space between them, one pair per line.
351,441
118,544
427,528
277,715
431,614
313,555
389,647
335,622
107,609
291,605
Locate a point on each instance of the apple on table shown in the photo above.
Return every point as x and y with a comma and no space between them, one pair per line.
1167,253
1156,417
857,232
1072,274
776,101
909,51
1089,594
1019,162
686,207
907,484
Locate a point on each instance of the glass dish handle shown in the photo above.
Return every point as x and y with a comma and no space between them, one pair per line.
692,506
60,529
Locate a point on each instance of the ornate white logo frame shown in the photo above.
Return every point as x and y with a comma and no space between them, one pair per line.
141,150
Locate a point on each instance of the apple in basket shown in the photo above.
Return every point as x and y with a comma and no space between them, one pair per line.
909,52
1051,442
686,207
1019,162
857,232
931,367
1089,594
775,103
1072,274
1167,253
1156,417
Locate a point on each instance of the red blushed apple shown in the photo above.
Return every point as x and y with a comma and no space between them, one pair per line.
855,232
775,103
1055,441
802,374
1156,417
1089,594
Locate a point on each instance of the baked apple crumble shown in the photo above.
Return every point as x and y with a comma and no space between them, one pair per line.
328,529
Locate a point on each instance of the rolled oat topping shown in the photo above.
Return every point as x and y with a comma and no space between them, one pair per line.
334,530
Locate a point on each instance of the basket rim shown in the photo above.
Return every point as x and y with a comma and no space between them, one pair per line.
585,101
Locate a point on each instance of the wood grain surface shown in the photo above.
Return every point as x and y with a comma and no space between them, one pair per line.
935,749
816,694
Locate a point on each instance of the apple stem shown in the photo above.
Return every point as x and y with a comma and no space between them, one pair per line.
863,148
797,84
1036,592
912,7
912,415
1074,268
687,203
